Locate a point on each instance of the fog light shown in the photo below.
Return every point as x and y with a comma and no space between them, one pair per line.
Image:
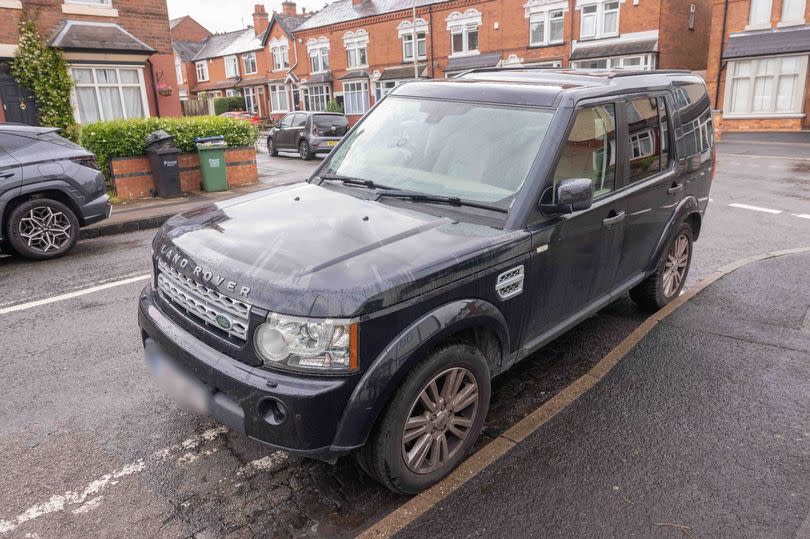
276,412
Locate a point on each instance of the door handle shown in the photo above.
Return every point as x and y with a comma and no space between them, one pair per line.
5,175
616,219
675,189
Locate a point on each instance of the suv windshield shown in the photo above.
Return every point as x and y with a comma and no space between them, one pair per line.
473,151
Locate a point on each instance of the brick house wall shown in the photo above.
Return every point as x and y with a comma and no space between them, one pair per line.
679,46
187,29
737,18
147,20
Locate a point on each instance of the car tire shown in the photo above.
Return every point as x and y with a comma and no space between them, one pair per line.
271,148
42,229
385,454
666,283
305,150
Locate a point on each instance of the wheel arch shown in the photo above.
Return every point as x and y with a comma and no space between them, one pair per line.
474,321
51,190
687,211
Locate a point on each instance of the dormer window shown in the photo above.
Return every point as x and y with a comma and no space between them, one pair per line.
318,50
356,44
280,51
406,32
463,30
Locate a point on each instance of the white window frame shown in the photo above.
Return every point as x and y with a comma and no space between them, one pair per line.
545,13
249,63
405,31
231,66
381,88
599,15
646,62
322,96
356,44
278,96
790,19
318,49
641,144
355,97
91,2
232,92
280,51
253,101
178,70
464,23
765,21
95,85
202,70
795,110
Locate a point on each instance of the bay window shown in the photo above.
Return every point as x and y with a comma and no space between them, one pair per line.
463,30
641,62
249,63
355,97
230,92
381,88
318,55
599,20
766,86
278,98
317,96
202,70
108,93
759,15
231,67
546,27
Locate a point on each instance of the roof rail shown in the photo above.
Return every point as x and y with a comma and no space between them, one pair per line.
609,73
631,73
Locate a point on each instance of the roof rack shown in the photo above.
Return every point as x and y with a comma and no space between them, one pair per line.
609,73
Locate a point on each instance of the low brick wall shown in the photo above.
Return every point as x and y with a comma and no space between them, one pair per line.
729,125
132,176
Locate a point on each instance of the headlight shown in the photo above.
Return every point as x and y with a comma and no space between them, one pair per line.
307,344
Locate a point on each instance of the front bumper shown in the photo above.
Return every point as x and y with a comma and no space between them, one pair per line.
299,414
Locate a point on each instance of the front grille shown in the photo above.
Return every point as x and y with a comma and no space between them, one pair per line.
217,310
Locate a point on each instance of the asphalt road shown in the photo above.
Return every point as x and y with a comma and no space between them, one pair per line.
88,445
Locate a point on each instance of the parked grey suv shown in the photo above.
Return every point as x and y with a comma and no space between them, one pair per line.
49,188
307,133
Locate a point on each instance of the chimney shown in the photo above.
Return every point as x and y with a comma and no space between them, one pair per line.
288,9
260,19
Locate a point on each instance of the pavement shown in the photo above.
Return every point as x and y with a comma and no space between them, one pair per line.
90,447
702,430
145,214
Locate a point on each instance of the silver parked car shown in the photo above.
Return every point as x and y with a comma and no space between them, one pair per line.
307,133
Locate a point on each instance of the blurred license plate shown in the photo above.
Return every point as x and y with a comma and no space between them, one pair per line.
331,143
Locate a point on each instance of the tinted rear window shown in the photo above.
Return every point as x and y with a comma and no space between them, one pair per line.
328,120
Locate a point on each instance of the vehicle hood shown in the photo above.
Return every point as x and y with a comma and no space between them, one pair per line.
311,251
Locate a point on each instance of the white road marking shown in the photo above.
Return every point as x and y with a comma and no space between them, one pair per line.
754,208
71,295
88,498
802,215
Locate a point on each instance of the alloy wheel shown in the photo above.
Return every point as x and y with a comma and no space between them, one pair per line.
45,229
675,266
440,420
303,149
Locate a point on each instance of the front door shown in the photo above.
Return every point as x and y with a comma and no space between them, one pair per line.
282,136
653,190
577,255
18,102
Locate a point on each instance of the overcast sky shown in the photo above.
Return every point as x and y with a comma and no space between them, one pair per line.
226,15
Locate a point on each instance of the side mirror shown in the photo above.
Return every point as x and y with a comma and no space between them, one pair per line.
575,194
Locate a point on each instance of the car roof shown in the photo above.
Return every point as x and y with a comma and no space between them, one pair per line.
543,87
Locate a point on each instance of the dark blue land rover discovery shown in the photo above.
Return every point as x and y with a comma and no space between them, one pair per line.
459,227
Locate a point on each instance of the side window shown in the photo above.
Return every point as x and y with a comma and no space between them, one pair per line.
590,151
11,143
644,130
287,121
300,119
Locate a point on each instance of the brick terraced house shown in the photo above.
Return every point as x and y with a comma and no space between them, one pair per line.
119,52
758,64
355,51
188,37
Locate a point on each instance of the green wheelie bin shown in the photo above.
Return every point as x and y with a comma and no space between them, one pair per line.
212,163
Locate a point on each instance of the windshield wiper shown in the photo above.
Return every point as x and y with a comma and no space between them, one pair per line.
350,180
452,201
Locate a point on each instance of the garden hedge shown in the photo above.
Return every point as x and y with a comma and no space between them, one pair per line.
127,138
229,104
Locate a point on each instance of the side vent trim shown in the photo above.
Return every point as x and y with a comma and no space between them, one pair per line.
510,283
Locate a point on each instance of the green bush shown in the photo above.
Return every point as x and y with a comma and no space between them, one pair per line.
127,138
334,106
229,104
